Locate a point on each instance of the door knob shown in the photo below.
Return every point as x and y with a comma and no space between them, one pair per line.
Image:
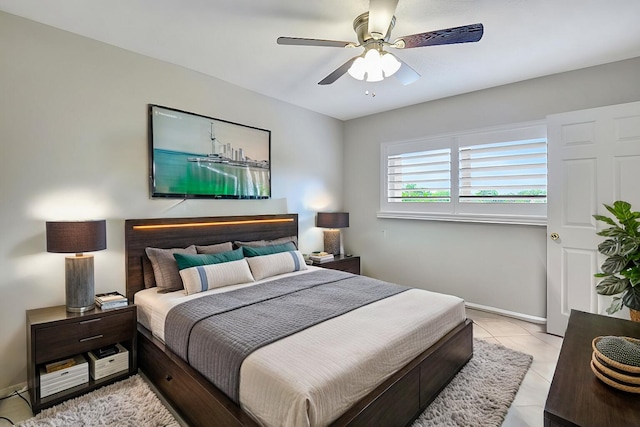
554,236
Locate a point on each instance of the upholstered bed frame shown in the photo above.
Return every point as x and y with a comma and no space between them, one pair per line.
397,401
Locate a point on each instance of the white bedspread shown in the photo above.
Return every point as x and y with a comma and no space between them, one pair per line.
312,377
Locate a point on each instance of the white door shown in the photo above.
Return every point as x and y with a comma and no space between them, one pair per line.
593,158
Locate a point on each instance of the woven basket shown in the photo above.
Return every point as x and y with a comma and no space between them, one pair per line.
629,388
634,315
612,363
613,373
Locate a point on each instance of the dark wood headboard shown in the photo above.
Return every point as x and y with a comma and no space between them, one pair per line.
182,232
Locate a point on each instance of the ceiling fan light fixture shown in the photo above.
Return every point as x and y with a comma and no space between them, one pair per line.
375,75
357,69
373,67
390,64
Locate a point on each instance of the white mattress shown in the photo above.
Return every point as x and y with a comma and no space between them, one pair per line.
312,377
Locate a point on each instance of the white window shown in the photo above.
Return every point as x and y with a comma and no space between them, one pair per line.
422,176
490,175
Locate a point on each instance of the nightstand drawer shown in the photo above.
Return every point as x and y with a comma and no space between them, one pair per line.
349,264
82,335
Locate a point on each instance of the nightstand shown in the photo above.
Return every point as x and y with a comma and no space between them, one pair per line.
54,334
349,264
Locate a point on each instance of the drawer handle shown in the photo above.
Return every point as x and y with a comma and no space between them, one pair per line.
90,321
95,337
168,378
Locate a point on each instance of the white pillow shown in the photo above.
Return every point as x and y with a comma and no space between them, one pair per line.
271,265
204,277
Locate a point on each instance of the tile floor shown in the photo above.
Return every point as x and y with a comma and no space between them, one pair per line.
527,408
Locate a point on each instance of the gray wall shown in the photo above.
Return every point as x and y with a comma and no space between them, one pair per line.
73,128
499,266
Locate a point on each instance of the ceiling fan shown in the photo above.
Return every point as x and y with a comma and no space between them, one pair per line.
373,29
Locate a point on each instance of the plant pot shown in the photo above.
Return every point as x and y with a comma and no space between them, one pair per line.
635,315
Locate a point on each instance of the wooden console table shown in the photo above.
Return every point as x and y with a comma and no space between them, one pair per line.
576,396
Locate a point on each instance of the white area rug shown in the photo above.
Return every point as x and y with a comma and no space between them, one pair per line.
481,393
126,403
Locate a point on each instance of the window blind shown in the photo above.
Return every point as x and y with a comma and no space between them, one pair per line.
423,176
504,172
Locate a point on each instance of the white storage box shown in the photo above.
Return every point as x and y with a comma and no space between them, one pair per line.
109,365
57,381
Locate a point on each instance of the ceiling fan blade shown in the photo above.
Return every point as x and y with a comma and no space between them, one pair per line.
406,75
296,41
464,34
338,72
380,15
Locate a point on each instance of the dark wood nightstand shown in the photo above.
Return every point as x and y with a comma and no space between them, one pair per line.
54,334
349,264
576,396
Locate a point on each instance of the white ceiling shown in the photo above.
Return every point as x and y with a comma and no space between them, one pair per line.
235,40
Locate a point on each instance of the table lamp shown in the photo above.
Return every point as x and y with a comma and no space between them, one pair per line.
333,221
77,237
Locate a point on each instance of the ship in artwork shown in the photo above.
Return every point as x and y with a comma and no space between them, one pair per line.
226,154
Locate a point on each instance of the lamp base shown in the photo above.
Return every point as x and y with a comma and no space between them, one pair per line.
332,241
79,284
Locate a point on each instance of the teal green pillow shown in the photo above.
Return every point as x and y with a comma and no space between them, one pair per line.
188,260
250,251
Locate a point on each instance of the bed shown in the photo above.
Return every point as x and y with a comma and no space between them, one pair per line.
396,398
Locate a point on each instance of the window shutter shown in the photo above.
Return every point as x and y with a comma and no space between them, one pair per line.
423,176
504,172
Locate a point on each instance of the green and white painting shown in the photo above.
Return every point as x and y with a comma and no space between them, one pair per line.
194,156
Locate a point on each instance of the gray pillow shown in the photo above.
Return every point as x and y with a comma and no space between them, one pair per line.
260,243
215,249
165,267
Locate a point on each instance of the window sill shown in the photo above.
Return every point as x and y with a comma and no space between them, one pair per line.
487,219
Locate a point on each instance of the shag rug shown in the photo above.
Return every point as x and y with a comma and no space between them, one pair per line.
128,402
479,395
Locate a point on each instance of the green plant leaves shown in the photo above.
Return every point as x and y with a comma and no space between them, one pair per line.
605,219
628,245
614,264
632,298
612,285
616,305
609,247
633,274
621,210
612,232
622,249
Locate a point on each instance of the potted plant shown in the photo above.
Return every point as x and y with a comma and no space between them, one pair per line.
621,270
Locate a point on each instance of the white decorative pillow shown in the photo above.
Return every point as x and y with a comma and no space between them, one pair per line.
205,277
280,263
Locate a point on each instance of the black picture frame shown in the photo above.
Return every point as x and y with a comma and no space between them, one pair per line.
195,156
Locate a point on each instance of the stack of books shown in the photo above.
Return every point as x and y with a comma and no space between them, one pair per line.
61,364
321,257
111,300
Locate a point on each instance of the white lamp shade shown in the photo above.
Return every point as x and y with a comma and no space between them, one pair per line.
357,69
390,64
374,66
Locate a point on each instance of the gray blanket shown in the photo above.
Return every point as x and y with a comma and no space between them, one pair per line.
214,334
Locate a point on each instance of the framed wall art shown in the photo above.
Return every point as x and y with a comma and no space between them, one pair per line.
194,156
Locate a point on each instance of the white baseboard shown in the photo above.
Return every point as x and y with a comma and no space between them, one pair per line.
17,387
520,316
